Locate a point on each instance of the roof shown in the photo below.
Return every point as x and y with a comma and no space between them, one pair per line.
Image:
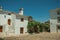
17,15
55,10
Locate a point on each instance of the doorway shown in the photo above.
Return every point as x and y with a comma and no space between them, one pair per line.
58,28
21,30
1,28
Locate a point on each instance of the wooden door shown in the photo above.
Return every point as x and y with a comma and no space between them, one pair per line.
21,30
1,28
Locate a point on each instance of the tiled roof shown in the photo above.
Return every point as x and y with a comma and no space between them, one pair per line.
17,15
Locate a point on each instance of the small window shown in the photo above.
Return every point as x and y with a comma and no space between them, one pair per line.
58,18
22,19
58,27
4,16
58,12
9,22
9,13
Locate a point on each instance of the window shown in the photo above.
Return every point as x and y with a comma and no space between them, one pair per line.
22,19
9,22
58,18
9,13
58,12
58,27
4,16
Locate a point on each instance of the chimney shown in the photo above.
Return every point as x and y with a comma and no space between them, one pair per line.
0,8
21,11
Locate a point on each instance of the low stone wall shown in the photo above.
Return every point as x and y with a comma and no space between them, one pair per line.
40,36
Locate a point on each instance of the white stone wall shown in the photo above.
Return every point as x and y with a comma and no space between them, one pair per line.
53,24
6,20
2,19
15,23
19,24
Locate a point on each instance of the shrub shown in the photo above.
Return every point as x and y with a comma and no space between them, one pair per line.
1,39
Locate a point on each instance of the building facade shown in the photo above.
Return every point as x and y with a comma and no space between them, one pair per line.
13,23
55,21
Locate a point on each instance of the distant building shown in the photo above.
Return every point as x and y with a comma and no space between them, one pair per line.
55,20
11,22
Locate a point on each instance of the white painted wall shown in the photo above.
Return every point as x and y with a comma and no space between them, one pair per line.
53,24
19,24
6,22
15,23
2,20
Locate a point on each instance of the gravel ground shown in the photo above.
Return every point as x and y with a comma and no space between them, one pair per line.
40,36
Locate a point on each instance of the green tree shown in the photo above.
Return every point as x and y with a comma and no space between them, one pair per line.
47,26
33,26
41,27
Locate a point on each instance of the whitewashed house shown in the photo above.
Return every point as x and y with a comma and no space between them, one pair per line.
55,21
11,22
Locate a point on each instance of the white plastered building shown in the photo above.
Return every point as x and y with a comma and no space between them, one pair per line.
14,23
55,20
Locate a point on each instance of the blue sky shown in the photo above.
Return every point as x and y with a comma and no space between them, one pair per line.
38,9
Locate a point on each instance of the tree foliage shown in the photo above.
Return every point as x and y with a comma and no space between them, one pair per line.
47,26
36,27
32,26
